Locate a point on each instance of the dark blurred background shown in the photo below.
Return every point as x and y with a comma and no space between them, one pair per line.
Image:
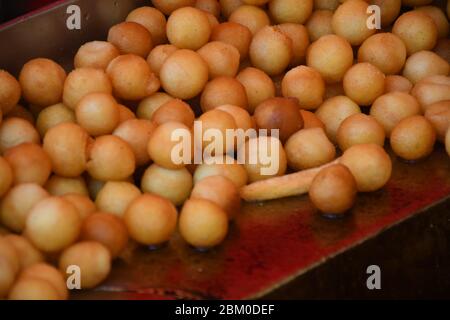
11,9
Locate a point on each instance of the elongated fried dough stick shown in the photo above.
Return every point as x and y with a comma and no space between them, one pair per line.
293,184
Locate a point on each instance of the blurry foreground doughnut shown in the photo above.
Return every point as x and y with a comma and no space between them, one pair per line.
50,274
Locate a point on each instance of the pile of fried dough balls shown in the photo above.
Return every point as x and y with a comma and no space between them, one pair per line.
86,161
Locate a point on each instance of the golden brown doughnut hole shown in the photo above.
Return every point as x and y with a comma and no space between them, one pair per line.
319,24
52,116
252,17
228,168
33,289
258,86
48,273
413,138
137,133
223,90
95,54
151,220
30,163
174,110
149,105
397,83
222,59
10,91
151,19
423,64
431,90
82,203
107,229
115,197
310,120
42,82
235,34
360,129
131,37
363,83
169,6
333,190
294,11
159,55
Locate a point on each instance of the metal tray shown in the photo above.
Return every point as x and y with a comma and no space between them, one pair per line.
281,249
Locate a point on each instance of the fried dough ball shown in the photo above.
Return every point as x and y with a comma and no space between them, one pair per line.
33,289
235,34
18,202
319,24
151,219
15,131
300,41
137,133
254,18
53,224
67,144
30,163
350,21
163,144
7,276
47,273
389,10
60,186
211,6
391,108
222,166
413,138
370,165
310,120
220,190
264,158
203,224
223,90
332,56
111,158
159,55
172,184
258,86
279,113
132,78
417,30
169,6
93,259
241,117
52,116
95,54
28,254
151,19
188,28
115,197
385,51
149,105
107,229
439,19
222,122
80,82
431,90
305,84
19,112
271,50
174,110
184,74
439,116
229,6
10,91
309,148
98,114
82,203
363,83
423,64
222,59
326,4
397,83
333,190
131,38
293,11
6,176
125,114
42,82
334,111
360,129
